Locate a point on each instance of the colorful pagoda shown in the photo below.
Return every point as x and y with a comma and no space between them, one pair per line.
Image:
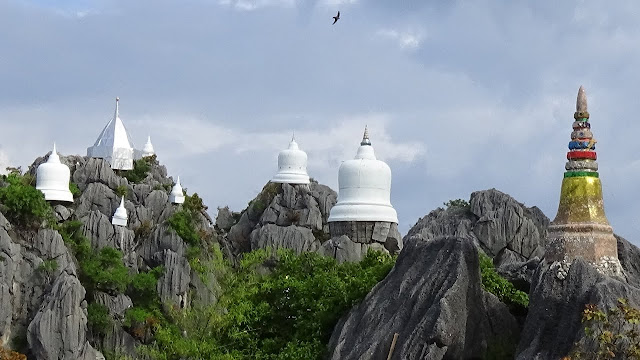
581,229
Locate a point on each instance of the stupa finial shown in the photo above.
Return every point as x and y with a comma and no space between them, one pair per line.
581,105
54,158
54,148
293,135
365,137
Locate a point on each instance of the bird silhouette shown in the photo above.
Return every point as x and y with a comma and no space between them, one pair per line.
335,18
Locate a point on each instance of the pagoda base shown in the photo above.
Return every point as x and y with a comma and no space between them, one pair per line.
595,243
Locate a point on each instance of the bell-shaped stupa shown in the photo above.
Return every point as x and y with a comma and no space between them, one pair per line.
292,165
364,188
363,212
177,196
52,178
114,144
148,148
120,216
581,229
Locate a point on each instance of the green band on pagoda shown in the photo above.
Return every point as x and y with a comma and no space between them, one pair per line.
581,173
582,119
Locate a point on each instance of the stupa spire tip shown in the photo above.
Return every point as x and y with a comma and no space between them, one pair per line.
581,105
365,137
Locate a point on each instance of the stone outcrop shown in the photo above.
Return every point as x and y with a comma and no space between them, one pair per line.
434,301
559,295
282,216
506,230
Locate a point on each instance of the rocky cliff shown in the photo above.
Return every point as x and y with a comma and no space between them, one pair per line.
44,296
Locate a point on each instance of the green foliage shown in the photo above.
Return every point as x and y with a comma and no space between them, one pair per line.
75,190
98,319
143,231
286,313
497,285
71,232
143,287
48,267
460,203
609,334
259,204
25,206
122,191
185,221
105,271
139,172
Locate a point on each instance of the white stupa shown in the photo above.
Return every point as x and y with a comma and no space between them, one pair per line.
364,185
120,216
52,178
177,196
114,144
292,165
148,148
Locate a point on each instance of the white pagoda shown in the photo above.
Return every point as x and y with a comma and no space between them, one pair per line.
292,165
52,179
114,144
364,188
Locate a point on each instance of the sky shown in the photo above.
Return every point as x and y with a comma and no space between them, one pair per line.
459,96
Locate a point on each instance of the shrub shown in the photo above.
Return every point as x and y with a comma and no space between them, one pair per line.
609,334
143,231
75,190
143,287
48,268
288,313
139,172
98,319
105,272
25,206
185,221
6,354
122,191
71,232
460,203
517,300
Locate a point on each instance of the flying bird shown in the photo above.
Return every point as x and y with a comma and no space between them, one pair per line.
335,18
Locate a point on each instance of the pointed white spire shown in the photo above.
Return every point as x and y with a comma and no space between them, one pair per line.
120,217
114,144
52,178
53,157
148,148
177,195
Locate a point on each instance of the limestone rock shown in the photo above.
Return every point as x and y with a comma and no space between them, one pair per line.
299,239
343,249
554,323
58,330
117,305
443,315
225,219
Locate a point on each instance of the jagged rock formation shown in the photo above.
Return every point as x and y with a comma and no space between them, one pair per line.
44,312
294,216
433,299
506,230
554,324
282,216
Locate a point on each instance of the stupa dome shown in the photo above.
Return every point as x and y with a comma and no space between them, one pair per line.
177,196
52,178
292,165
148,148
364,188
114,144
120,216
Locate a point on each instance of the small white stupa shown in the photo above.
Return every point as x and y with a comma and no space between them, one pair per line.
177,196
292,165
52,178
364,188
114,144
120,216
148,148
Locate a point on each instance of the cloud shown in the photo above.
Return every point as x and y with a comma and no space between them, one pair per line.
406,39
249,5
